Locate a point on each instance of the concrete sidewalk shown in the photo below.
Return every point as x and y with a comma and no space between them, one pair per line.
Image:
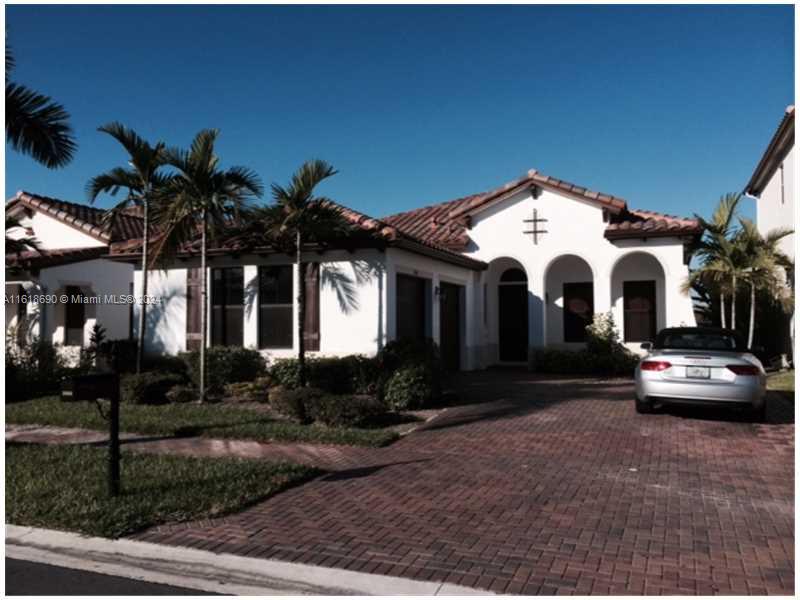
207,571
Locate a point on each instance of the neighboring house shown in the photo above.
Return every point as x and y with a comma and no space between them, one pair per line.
488,277
72,243
772,186
772,183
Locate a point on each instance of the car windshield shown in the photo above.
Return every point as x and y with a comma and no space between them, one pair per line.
698,340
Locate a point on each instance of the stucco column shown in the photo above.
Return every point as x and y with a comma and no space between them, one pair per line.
536,307
472,318
250,334
602,293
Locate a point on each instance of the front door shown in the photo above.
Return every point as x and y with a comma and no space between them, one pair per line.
512,317
578,310
639,303
450,330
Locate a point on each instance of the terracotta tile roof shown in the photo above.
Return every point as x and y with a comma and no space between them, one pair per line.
647,223
377,231
782,141
448,223
39,259
82,217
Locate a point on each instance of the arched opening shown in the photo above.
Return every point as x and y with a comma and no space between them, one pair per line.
512,315
569,300
507,309
638,297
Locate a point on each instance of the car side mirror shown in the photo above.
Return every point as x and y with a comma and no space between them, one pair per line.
646,346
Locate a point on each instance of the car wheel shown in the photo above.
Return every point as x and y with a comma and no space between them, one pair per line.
643,407
759,415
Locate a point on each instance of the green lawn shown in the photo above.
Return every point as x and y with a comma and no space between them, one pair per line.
207,420
781,382
64,487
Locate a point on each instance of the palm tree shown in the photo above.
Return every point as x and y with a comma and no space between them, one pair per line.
763,265
36,125
200,198
296,218
717,254
15,245
142,181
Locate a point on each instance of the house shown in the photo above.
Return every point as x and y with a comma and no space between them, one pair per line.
772,187
772,183
488,277
68,283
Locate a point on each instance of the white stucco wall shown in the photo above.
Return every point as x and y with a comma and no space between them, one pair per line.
99,279
775,206
51,233
574,227
352,303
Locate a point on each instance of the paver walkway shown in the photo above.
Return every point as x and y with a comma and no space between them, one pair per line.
554,487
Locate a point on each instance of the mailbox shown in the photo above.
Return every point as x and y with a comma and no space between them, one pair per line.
90,387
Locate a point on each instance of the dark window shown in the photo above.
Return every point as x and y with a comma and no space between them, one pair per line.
275,306
194,305
578,310
411,300
75,316
227,306
639,300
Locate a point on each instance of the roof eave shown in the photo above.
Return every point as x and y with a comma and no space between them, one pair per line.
780,144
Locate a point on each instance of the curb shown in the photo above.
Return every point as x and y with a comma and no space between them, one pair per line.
208,571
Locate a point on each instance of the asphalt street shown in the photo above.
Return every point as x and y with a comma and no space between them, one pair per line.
24,578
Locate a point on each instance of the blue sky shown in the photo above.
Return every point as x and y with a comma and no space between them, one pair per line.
668,107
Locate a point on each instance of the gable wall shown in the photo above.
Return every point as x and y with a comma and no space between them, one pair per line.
52,233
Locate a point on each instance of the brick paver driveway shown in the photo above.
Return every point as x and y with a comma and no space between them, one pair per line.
553,487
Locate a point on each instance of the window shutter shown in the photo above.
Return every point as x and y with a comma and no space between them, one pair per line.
311,329
193,306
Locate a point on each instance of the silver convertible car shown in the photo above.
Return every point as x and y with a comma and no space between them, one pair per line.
698,365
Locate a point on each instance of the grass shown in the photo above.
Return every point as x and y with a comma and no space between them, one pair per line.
64,487
781,382
207,420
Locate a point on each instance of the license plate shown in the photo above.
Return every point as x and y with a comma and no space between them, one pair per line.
698,372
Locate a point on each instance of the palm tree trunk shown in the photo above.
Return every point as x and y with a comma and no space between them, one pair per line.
301,312
143,304
752,315
203,309
722,309
733,303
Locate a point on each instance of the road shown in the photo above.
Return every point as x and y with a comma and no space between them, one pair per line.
24,578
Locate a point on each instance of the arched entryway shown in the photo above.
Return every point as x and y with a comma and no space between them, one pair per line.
512,315
638,297
569,300
506,310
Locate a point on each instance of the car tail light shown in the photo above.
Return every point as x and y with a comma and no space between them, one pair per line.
743,369
655,365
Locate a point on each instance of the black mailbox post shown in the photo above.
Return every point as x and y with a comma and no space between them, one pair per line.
93,387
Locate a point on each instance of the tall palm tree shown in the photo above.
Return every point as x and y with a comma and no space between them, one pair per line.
298,217
142,181
763,265
200,198
717,253
36,125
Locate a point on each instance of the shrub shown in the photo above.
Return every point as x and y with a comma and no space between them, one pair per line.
405,354
147,388
410,388
294,403
120,354
224,365
601,335
249,391
180,394
584,362
164,363
343,410
353,374
36,367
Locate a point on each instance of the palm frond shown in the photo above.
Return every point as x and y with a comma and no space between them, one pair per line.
38,126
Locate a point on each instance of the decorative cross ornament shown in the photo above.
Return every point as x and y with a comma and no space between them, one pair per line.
535,231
